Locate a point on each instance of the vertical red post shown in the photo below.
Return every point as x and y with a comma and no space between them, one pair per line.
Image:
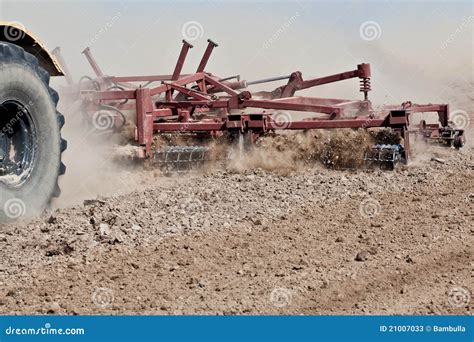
144,119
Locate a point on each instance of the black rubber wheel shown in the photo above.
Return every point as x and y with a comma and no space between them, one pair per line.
458,142
30,138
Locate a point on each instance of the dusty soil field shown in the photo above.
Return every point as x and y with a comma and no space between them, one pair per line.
312,241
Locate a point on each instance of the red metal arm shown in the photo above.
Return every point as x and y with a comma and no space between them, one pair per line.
182,57
205,58
87,52
296,81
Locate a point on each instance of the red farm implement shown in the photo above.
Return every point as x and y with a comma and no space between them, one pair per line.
203,105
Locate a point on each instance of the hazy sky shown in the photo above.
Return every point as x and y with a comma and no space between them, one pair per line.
418,46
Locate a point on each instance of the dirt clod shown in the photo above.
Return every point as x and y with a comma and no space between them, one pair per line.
362,256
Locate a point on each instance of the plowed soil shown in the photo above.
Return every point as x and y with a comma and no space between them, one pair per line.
310,241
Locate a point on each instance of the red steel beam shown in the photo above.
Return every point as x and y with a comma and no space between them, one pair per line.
296,81
189,126
92,62
302,107
182,57
205,58
313,100
362,71
118,79
130,94
219,85
189,92
268,125
195,104
323,124
162,112
182,81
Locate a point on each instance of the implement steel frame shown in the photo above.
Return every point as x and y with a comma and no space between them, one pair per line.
183,95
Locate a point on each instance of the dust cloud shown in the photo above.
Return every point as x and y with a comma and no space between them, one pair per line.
95,167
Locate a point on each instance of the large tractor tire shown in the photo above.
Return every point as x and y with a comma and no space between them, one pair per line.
30,138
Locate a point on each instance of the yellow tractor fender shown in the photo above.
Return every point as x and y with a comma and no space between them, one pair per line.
16,33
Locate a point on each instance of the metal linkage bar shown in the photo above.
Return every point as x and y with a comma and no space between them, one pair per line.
98,72
207,54
182,57
296,82
270,79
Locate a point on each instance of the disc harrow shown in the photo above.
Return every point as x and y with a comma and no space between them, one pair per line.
207,106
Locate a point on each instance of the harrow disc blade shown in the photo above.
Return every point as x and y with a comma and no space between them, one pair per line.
181,158
386,157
